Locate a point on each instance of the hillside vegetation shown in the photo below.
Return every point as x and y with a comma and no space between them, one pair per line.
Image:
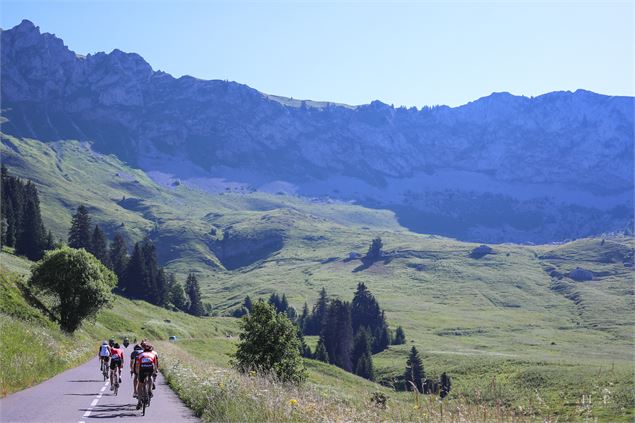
512,323
34,348
198,365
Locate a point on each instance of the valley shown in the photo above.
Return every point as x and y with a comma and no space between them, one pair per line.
506,316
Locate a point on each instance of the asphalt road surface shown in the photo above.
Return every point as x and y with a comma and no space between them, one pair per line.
81,395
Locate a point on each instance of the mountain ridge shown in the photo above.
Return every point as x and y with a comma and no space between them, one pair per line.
225,134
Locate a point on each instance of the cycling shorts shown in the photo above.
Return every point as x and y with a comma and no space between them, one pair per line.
115,363
145,372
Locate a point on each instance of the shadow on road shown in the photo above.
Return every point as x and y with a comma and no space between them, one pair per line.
112,411
85,395
85,380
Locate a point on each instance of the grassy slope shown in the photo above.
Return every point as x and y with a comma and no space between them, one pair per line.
197,366
33,345
502,315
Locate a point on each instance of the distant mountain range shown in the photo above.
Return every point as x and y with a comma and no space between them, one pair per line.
501,168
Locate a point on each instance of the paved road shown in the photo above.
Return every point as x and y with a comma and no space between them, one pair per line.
80,395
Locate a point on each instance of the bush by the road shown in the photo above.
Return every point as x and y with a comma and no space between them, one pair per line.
79,283
269,344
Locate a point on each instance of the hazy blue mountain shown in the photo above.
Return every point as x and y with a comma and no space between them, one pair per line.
501,168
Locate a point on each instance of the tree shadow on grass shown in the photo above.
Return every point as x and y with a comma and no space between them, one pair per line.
368,262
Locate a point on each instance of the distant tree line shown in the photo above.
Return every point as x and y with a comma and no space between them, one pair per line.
21,224
349,333
139,275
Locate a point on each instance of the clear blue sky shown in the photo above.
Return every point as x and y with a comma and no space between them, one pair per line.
405,53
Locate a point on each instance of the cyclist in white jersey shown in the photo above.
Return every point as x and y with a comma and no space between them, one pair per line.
104,354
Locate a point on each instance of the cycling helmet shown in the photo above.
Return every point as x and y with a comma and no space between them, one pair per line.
104,343
147,347
116,345
138,347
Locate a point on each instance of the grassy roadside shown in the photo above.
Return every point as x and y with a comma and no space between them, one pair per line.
35,349
218,393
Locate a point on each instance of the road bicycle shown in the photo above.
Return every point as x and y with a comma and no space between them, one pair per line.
145,394
115,380
104,370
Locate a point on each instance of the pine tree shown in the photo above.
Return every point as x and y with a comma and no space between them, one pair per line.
99,246
305,350
364,367
400,336
414,373
248,304
446,384
374,251
318,317
365,312
304,317
119,256
161,296
274,300
381,341
338,334
154,285
31,238
194,295
320,351
361,345
291,314
176,293
50,242
79,235
132,285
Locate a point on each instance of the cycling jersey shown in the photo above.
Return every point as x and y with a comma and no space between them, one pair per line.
147,360
104,351
116,354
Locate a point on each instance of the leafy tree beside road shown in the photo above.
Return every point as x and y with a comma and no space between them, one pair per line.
269,343
79,283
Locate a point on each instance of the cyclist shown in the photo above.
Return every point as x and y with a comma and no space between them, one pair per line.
126,342
116,363
104,355
147,365
133,361
144,343
111,342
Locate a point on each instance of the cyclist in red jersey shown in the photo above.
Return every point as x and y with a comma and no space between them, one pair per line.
116,363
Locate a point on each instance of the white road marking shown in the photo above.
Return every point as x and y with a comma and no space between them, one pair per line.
94,403
103,389
87,413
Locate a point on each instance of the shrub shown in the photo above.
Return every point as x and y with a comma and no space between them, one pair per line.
268,343
79,283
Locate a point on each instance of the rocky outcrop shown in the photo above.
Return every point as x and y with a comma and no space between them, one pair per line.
501,168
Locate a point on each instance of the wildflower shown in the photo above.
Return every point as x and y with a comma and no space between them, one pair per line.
252,373
293,402
416,407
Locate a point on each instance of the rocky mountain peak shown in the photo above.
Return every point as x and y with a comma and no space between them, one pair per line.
500,168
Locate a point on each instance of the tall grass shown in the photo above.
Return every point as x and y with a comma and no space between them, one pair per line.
221,394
